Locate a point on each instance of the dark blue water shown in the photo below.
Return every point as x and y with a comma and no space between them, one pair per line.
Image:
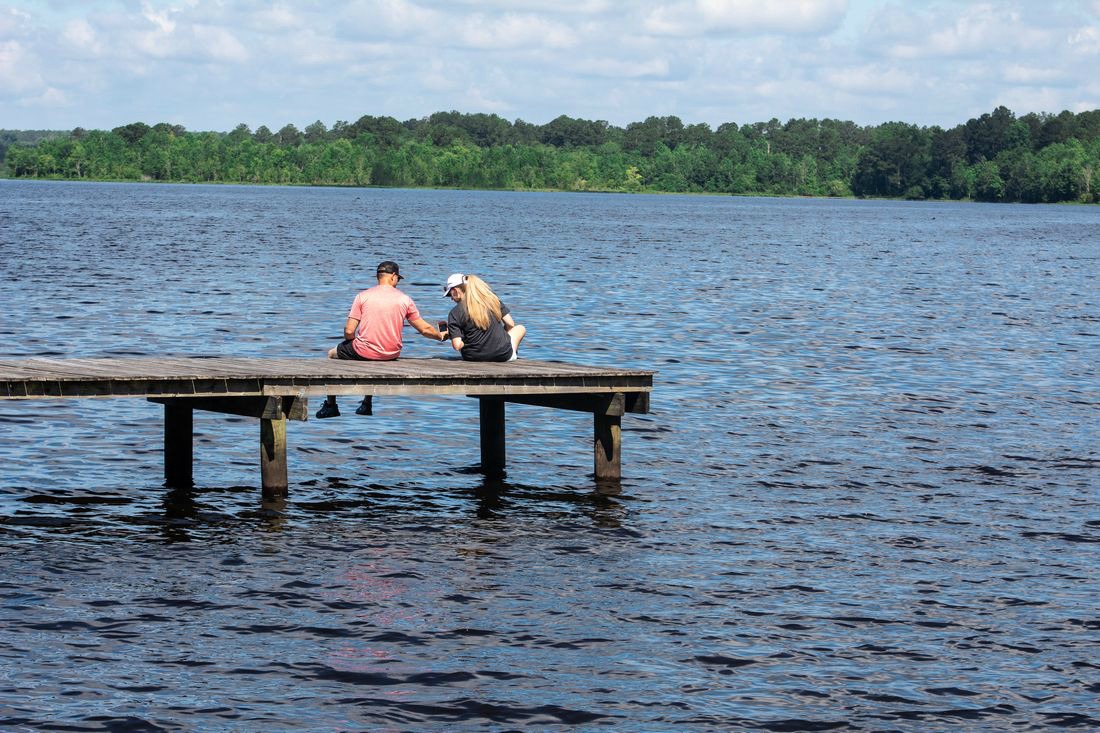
866,497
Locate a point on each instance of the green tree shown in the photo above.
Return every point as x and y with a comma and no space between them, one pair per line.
1020,170
385,131
1056,129
239,134
988,184
894,163
988,135
643,137
133,132
316,132
1062,171
566,132
289,136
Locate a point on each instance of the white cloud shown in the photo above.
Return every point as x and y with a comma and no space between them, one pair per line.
174,36
12,21
17,70
957,30
558,7
50,97
1031,99
616,68
391,19
485,101
439,77
974,32
162,19
219,44
277,18
872,79
311,49
514,31
82,37
1026,75
701,17
1086,40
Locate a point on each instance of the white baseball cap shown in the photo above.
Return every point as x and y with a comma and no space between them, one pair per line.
452,282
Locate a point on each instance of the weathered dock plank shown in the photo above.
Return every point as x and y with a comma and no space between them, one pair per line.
276,389
92,371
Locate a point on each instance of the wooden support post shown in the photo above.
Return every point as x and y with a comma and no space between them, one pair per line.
179,431
273,473
273,413
607,410
607,445
492,435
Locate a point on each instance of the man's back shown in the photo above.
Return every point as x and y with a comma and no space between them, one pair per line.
381,312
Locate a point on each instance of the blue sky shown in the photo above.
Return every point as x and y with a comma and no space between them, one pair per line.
212,64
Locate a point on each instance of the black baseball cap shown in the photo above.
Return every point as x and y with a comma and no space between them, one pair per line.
390,267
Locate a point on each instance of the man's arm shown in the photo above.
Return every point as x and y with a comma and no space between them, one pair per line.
426,329
349,329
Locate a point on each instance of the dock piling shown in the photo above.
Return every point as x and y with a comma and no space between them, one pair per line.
179,429
492,436
273,471
607,445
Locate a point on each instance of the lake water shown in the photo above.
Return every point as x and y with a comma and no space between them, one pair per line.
866,497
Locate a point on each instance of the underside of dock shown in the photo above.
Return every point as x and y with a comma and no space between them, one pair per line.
277,390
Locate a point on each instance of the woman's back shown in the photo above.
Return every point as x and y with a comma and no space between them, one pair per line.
479,325
480,344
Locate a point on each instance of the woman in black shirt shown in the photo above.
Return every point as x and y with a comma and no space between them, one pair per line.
480,326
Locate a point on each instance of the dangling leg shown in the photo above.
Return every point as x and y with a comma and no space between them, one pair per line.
516,334
329,407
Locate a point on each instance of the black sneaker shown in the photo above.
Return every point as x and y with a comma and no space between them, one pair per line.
328,409
366,407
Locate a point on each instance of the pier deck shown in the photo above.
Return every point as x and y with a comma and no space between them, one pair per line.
276,390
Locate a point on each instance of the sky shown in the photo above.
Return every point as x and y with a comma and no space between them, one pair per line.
214,64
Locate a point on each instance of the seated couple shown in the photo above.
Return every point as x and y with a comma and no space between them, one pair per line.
479,326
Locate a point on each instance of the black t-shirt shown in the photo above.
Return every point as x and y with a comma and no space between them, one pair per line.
491,344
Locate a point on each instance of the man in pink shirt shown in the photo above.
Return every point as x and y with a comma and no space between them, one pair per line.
373,328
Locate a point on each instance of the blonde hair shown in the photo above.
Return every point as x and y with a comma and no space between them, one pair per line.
480,302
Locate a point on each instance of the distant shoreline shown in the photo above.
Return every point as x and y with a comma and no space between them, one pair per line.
706,194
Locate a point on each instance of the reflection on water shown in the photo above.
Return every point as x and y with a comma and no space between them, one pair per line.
865,499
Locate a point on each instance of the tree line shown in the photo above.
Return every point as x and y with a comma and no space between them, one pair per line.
995,157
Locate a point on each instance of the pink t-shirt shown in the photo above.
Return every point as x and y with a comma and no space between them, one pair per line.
381,312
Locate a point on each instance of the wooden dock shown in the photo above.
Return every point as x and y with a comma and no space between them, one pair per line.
277,390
